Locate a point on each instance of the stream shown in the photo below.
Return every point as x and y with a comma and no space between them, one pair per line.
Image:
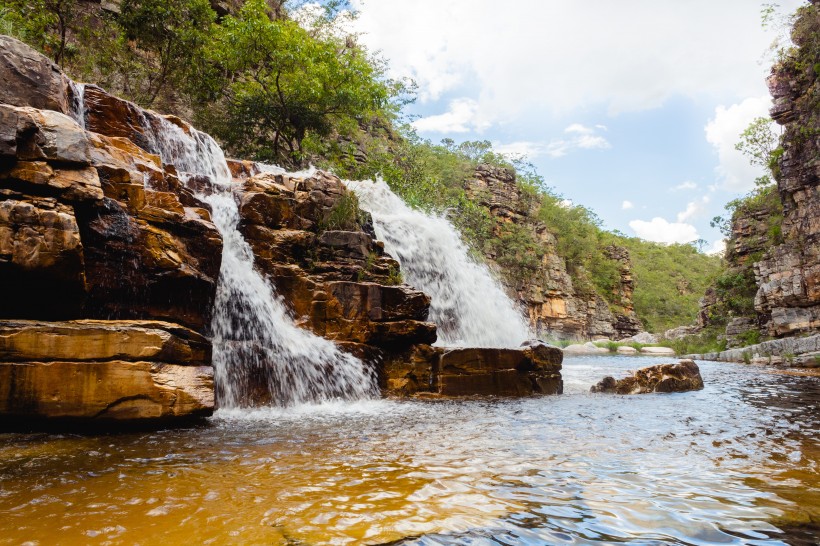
735,463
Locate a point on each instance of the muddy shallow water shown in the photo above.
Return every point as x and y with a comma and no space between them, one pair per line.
735,463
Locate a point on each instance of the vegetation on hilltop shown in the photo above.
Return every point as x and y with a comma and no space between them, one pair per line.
274,89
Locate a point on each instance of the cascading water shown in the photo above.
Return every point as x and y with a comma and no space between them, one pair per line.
254,335
467,303
77,97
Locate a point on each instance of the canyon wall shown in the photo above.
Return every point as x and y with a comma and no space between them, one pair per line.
546,293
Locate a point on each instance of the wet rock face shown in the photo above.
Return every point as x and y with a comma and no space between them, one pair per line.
92,226
552,302
103,371
680,377
96,227
338,283
535,368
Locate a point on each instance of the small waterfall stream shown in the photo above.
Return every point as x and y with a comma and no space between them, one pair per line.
254,334
467,303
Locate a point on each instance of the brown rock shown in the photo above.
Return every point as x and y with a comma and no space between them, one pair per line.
96,340
41,258
49,135
102,391
30,78
70,184
680,377
503,372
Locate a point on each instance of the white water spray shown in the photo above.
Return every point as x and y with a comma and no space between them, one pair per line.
467,304
77,102
256,343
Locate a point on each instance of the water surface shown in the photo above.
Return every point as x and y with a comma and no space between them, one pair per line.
735,463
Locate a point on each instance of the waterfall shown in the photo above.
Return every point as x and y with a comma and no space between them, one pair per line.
77,106
254,334
467,304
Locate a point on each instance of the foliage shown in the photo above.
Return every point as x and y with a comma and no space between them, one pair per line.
708,340
174,34
669,281
759,143
279,85
344,215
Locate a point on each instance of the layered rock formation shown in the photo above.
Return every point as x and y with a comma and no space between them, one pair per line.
555,306
103,370
773,253
339,283
91,227
789,275
535,368
680,377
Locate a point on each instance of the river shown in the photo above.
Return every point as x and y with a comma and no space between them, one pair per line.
735,463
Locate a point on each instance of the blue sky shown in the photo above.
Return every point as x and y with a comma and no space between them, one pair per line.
631,108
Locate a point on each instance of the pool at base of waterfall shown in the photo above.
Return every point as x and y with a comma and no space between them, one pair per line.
735,463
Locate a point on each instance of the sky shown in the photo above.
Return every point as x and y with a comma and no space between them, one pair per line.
630,108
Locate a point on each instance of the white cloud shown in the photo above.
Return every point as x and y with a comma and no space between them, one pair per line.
576,137
718,247
662,231
566,203
626,205
723,132
553,55
688,185
694,209
463,116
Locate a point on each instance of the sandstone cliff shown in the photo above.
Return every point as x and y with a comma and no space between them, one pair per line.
556,308
772,284
789,274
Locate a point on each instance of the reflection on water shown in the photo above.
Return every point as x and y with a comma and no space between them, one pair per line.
736,463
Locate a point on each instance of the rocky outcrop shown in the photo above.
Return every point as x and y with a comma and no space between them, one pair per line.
680,377
555,306
535,368
98,371
790,351
84,235
788,276
320,252
780,259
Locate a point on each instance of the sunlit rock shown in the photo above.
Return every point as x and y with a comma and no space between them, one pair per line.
680,377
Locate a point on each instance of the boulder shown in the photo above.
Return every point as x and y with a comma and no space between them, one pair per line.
100,340
529,370
680,377
94,371
42,264
587,348
643,337
627,350
30,78
113,390
658,351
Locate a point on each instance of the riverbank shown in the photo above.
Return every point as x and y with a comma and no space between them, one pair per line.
801,352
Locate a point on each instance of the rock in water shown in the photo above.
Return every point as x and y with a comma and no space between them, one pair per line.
680,377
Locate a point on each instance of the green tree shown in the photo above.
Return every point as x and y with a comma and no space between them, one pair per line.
759,143
284,85
173,34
